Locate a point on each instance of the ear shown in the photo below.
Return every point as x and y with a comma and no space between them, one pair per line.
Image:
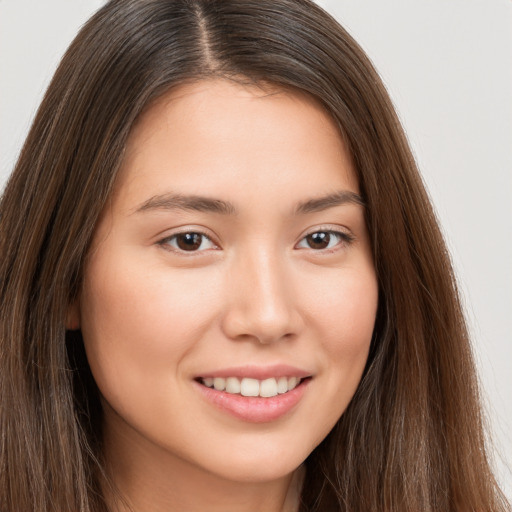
73,316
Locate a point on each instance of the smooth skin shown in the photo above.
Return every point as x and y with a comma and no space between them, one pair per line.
255,272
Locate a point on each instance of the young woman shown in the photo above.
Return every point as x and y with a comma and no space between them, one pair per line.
222,283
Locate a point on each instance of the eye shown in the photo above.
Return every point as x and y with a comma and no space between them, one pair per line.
188,242
322,240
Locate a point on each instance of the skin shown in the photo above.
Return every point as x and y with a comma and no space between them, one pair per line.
155,317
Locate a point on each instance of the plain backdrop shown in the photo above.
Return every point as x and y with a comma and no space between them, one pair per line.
447,66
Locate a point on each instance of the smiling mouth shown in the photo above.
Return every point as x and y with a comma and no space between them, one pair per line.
254,400
249,387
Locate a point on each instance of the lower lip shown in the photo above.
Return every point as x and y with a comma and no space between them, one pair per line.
252,408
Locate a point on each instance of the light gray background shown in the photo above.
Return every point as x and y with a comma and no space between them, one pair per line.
447,65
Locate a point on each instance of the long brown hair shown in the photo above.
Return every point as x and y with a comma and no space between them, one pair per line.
411,438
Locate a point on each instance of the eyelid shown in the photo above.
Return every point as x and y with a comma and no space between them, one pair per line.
347,237
163,241
343,233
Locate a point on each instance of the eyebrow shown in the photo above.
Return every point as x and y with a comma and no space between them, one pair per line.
323,203
211,205
188,202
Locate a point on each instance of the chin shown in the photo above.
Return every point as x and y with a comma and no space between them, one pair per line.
264,463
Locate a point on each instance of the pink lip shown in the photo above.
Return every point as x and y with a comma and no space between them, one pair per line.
258,372
254,409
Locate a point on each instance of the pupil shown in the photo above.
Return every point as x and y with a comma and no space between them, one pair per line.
189,241
319,240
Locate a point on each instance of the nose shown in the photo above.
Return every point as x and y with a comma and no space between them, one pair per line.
262,304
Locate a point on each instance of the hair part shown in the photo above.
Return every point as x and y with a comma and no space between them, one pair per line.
412,436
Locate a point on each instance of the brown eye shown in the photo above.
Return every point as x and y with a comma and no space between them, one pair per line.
319,240
188,242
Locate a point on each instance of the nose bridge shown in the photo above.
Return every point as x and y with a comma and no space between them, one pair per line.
262,302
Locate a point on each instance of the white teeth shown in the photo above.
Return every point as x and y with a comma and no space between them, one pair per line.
252,387
268,387
219,383
233,385
282,385
292,382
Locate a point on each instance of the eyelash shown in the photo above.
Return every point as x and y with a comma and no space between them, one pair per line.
344,239
166,242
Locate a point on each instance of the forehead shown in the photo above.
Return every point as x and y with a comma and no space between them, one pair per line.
213,133
207,96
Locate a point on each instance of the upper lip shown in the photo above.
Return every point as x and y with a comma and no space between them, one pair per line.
257,372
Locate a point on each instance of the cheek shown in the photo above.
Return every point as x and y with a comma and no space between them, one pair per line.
345,316
345,309
138,322
353,327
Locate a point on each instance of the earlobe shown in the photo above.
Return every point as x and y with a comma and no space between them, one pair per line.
73,316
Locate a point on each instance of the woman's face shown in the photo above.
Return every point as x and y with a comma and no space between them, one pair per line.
233,254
